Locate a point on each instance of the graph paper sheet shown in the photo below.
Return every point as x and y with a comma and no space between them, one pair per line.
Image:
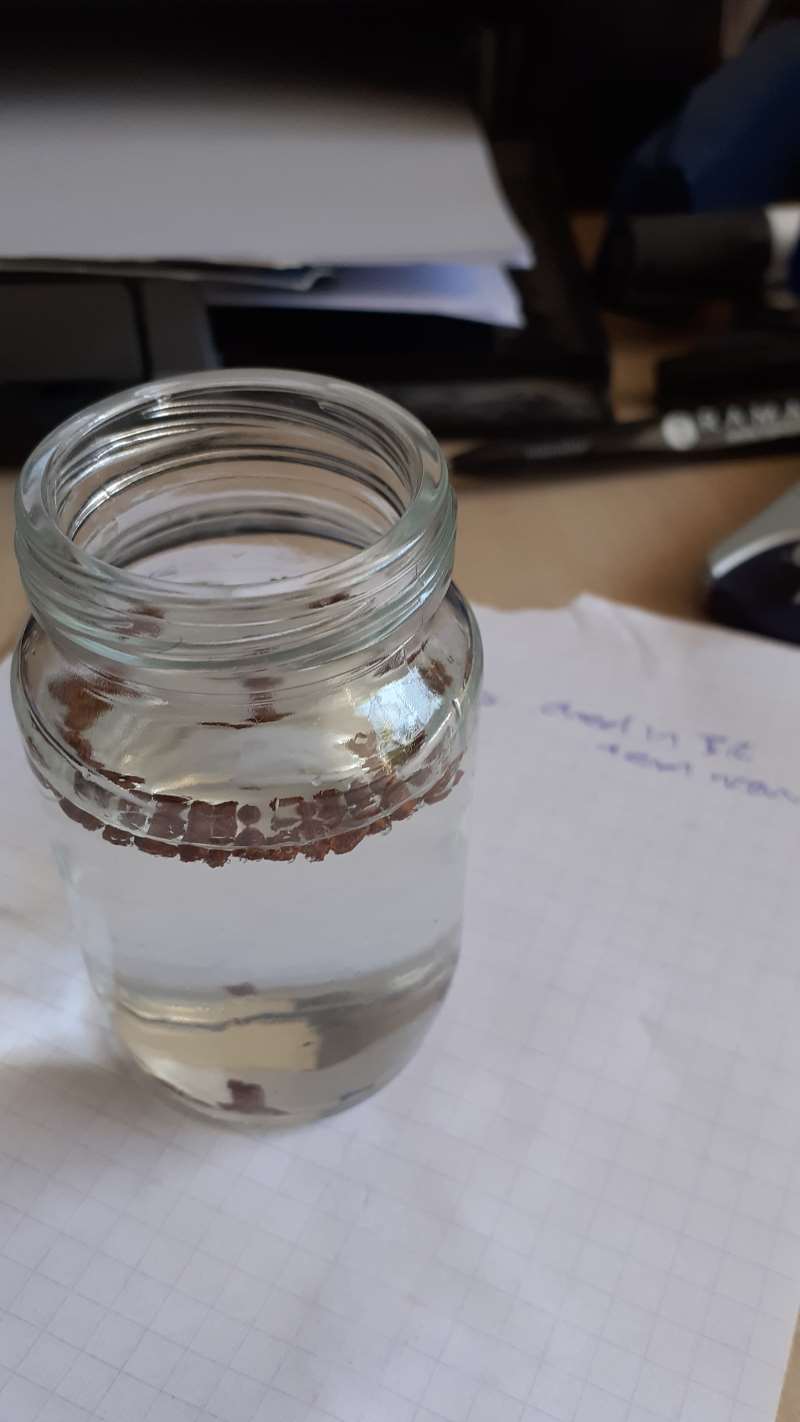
580,1202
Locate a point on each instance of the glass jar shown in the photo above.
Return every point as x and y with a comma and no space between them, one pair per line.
248,690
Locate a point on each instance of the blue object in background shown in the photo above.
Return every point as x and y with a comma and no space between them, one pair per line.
735,144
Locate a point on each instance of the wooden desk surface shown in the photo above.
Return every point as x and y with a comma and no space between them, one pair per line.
638,538
641,537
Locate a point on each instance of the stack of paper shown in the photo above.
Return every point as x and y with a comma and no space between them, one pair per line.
112,170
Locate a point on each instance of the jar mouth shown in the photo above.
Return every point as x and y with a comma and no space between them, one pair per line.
222,455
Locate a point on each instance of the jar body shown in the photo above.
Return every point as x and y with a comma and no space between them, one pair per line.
265,869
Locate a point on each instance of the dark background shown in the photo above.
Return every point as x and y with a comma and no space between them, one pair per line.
600,74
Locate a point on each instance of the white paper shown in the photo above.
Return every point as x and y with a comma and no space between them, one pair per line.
582,1199
165,166
472,293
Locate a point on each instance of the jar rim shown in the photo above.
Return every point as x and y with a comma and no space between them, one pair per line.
420,538
31,488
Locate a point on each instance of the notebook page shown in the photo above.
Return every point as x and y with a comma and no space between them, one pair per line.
581,1201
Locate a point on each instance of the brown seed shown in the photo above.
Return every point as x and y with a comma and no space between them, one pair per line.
435,676
248,814
80,746
343,843
283,854
316,852
168,818
360,797
420,779
209,823
262,712
216,858
330,810
408,751
329,601
260,682
245,1097
250,842
82,704
81,817
144,621
191,853
311,822
435,797
364,744
248,1097
385,776
155,847
404,811
394,794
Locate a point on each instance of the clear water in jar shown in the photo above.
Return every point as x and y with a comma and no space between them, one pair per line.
268,991
261,990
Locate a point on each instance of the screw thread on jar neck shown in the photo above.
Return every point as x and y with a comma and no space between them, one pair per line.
225,455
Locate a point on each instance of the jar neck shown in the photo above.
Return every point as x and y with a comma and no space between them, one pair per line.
109,503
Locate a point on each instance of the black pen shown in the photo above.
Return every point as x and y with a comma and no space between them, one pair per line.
710,431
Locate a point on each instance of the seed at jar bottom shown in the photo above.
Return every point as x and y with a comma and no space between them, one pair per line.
293,1053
